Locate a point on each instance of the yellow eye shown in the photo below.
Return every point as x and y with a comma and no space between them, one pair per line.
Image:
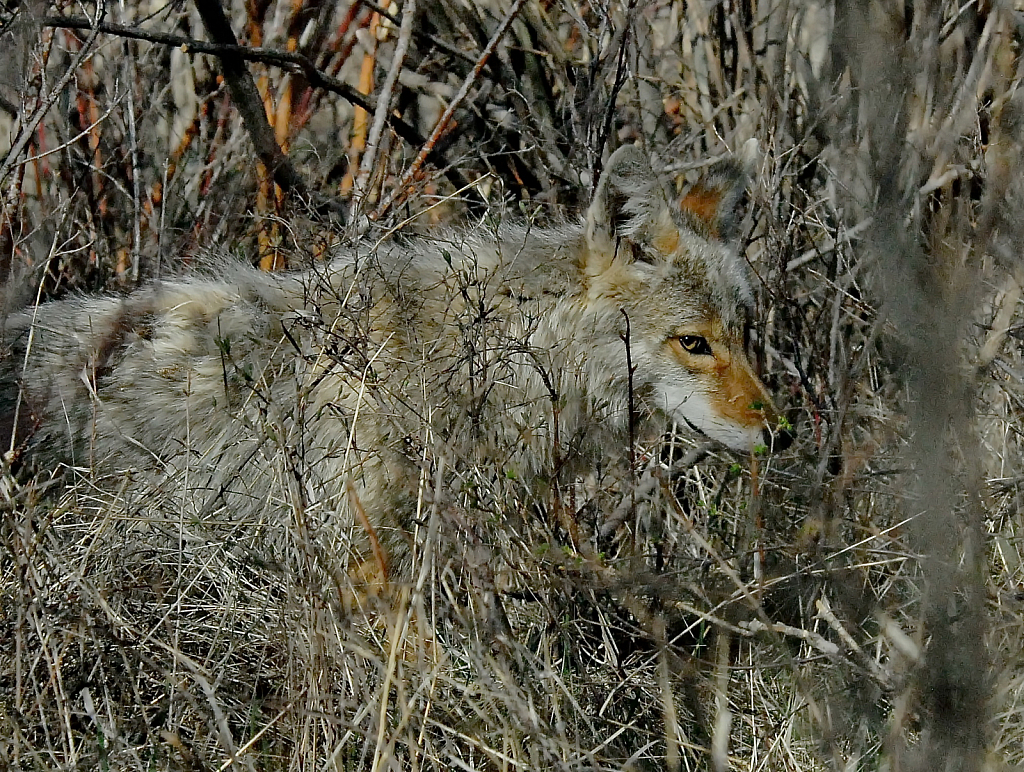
696,345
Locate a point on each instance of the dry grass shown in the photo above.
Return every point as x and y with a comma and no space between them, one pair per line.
853,603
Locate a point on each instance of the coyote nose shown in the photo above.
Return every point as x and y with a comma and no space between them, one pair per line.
777,440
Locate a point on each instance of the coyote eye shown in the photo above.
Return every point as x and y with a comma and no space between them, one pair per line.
696,345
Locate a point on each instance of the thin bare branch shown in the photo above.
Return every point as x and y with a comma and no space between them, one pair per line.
288,60
28,126
446,116
384,100
248,101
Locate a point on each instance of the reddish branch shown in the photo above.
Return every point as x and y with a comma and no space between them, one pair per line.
247,99
442,123
285,59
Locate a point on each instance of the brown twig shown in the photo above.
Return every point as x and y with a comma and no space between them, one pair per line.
369,159
371,533
28,126
247,99
442,123
285,59
360,117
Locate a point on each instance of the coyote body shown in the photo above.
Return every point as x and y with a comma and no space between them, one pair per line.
339,387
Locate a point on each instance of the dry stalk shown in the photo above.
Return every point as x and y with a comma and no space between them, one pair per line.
402,189
384,101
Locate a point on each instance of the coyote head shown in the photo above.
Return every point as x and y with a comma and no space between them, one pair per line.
686,295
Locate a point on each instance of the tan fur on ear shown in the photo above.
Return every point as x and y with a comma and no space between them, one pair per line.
703,204
711,203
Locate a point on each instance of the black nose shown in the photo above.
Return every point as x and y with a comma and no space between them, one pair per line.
777,440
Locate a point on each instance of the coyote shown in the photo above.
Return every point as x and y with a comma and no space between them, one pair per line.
340,387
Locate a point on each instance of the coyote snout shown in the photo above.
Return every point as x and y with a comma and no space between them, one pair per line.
720,396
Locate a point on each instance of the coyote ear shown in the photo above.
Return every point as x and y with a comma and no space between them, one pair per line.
710,205
627,199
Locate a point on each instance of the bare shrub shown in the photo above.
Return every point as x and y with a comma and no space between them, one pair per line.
853,602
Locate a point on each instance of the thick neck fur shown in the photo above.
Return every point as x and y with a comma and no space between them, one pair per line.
497,336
